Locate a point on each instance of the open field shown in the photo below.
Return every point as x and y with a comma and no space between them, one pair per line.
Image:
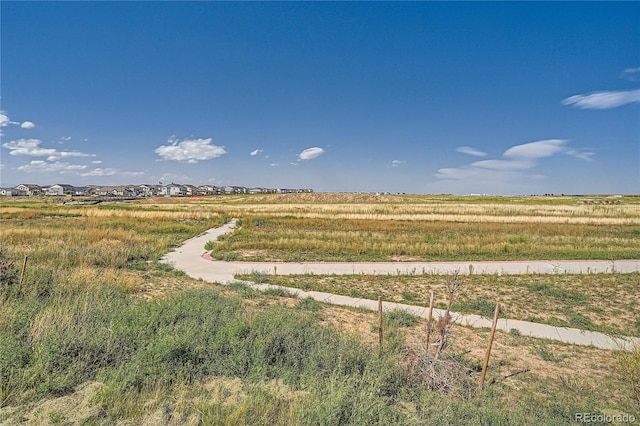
303,227
100,322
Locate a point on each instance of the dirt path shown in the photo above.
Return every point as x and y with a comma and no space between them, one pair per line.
192,259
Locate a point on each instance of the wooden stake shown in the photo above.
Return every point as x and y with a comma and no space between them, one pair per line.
380,320
491,335
429,317
24,267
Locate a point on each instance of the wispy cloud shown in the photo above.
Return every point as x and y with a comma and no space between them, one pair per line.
471,151
311,153
516,166
101,172
49,167
397,163
582,153
190,150
255,152
108,171
535,150
631,74
504,164
603,100
32,148
274,164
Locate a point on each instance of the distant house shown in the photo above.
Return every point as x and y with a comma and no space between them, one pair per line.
190,189
111,191
174,190
30,189
206,190
11,192
235,190
60,189
150,190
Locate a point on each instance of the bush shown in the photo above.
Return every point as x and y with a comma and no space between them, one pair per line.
399,318
628,367
8,273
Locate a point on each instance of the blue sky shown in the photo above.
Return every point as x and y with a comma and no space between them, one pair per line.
416,97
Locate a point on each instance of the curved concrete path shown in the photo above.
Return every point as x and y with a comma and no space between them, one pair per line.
193,259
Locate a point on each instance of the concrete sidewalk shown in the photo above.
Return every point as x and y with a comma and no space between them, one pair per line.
192,258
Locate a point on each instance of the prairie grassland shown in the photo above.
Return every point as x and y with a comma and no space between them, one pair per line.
298,239
599,302
198,356
492,213
58,239
431,229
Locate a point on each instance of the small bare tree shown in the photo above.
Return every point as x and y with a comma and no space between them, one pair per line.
443,326
438,372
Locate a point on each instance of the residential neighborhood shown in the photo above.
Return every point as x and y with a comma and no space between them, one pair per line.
138,191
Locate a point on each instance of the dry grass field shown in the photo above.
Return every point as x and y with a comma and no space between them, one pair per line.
100,326
414,230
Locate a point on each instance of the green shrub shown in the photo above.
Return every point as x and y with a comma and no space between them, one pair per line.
481,307
399,318
278,292
628,366
309,304
8,273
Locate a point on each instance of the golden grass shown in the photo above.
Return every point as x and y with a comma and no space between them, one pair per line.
150,214
470,213
312,239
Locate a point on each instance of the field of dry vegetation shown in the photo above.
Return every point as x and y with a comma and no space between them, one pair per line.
99,332
427,229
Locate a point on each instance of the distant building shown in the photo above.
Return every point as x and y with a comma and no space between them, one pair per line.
11,192
30,189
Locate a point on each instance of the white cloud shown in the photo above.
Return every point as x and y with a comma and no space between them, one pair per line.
471,151
274,164
504,164
509,173
396,163
311,153
255,152
603,100
4,119
190,150
100,172
631,74
32,148
581,153
48,167
538,149
472,174
97,162
29,147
